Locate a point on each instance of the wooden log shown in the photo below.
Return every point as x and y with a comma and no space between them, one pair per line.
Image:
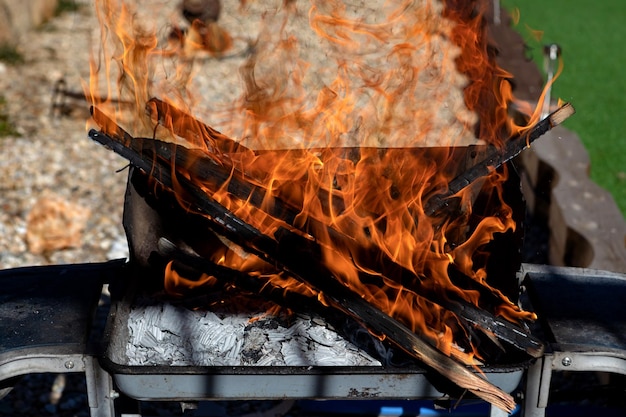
232,154
281,251
161,155
491,159
356,308
190,128
497,157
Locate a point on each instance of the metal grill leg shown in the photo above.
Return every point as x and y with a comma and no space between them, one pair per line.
538,387
496,412
100,392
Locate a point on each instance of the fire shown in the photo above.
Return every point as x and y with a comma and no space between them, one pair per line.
352,141
177,281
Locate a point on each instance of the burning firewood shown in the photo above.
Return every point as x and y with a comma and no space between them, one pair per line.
216,176
497,157
294,257
343,179
299,264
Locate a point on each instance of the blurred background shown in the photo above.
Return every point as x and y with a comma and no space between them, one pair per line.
591,35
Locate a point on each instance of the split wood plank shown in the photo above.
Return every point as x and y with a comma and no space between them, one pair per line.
496,157
214,175
283,253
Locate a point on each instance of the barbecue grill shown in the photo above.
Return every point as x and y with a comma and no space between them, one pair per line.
46,315
48,312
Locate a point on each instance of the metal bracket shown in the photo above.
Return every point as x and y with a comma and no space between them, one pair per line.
100,392
584,319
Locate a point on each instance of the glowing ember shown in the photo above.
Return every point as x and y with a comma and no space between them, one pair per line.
352,114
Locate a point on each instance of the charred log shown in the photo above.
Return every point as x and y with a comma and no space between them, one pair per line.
284,254
496,157
160,157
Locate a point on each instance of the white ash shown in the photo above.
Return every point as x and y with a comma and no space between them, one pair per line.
165,334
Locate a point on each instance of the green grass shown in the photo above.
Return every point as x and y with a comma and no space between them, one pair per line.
592,34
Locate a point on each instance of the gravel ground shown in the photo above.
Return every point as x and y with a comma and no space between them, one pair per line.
52,155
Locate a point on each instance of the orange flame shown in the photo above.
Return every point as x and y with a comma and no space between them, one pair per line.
176,284
354,148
